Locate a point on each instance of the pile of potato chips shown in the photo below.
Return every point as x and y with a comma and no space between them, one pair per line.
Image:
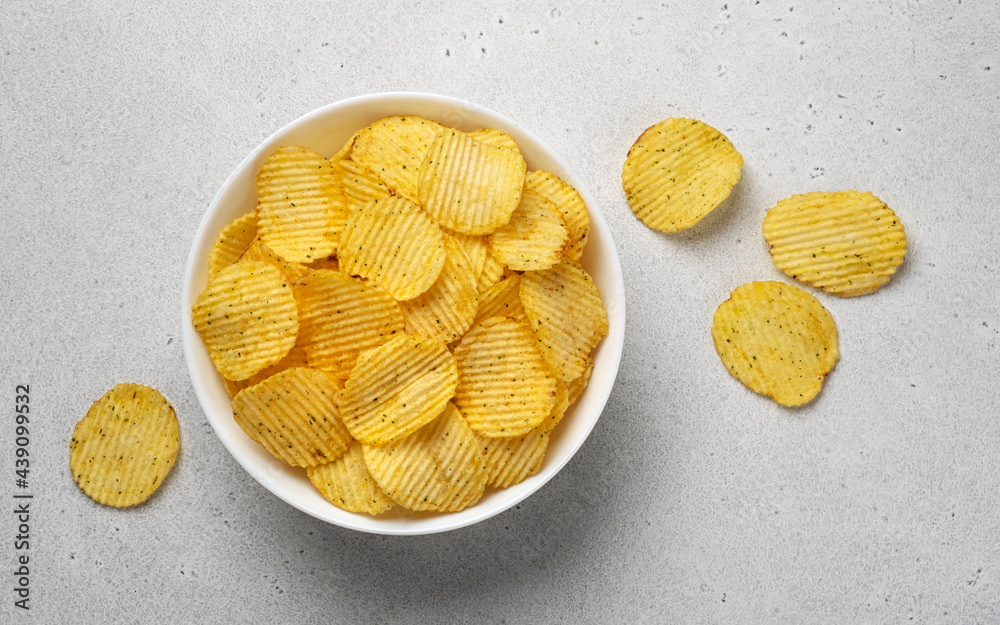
775,338
406,320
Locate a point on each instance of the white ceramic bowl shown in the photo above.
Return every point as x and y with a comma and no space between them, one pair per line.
325,131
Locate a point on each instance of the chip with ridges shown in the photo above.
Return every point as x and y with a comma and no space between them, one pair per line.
233,240
347,484
296,357
394,148
847,243
446,310
565,311
300,207
246,317
493,136
503,299
534,238
393,243
122,450
777,340
505,387
259,251
468,186
292,414
570,204
340,317
437,468
359,185
677,172
396,388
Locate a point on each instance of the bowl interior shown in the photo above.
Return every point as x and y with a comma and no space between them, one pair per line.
325,131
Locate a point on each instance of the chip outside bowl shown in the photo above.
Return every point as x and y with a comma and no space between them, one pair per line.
325,130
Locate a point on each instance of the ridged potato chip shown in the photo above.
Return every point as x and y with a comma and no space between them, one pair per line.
296,357
122,450
394,148
847,243
677,172
577,386
233,240
438,467
476,251
359,185
493,272
505,387
468,186
300,207
340,317
503,299
246,317
569,203
566,313
292,414
396,388
347,484
447,309
393,243
492,136
535,236
261,252
777,340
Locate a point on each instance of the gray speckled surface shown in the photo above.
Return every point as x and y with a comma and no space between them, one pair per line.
694,500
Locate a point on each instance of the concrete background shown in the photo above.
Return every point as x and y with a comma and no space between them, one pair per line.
694,500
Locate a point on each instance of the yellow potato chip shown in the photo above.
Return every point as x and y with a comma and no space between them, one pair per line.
395,245
261,252
345,150
468,186
446,310
296,357
233,241
569,203
122,450
847,243
247,318
437,468
503,299
340,317
509,460
347,484
504,386
476,251
301,209
292,414
493,272
492,136
565,311
394,148
776,339
535,236
359,185
396,388
677,172
577,386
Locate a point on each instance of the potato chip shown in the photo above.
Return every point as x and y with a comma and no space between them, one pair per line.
359,185
493,272
677,172
247,318
504,386
847,243
565,311
468,186
340,317
296,357
292,414
569,203
535,236
776,339
396,388
347,484
510,460
437,468
503,299
476,251
394,148
233,240
345,150
447,309
492,136
122,450
301,209
261,252
577,386
394,244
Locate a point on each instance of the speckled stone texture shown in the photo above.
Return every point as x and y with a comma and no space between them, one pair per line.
694,500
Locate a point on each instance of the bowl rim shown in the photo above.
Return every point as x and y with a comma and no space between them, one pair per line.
267,471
